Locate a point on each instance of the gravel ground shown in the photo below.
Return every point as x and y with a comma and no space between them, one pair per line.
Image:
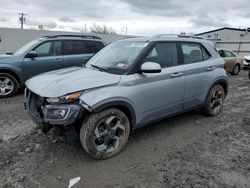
188,150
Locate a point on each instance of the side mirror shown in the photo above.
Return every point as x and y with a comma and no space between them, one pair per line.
150,67
32,54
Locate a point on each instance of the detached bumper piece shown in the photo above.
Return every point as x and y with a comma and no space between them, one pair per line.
46,115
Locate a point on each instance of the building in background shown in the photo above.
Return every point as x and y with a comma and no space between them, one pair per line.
12,39
237,40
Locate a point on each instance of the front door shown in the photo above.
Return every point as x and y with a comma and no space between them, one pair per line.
160,94
49,58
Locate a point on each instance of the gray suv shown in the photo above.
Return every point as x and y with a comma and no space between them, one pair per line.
42,55
128,84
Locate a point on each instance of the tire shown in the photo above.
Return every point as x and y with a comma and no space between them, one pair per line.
236,70
214,101
8,85
105,134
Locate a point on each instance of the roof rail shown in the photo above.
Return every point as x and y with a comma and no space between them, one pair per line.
177,35
81,36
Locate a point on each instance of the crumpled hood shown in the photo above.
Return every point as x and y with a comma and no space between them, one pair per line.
64,81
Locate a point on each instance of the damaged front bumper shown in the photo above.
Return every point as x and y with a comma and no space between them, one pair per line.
48,115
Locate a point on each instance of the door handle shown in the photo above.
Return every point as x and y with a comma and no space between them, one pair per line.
177,74
211,68
57,60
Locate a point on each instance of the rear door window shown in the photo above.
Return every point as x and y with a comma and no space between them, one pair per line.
194,52
73,47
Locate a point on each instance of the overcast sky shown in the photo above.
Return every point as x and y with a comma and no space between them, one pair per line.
141,17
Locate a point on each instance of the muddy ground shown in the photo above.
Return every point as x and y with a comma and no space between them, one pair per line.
188,150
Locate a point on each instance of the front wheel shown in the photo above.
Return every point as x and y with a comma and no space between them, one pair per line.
8,85
214,101
105,134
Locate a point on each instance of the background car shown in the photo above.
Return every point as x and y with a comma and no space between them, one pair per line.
45,54
246,63
233,63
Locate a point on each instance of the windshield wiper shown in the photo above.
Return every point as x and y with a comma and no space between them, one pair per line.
99,68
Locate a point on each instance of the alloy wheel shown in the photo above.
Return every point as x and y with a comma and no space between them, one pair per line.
108,134
6,86
216,100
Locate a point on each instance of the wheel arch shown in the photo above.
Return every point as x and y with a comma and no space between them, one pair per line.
13,73
223,82
121,105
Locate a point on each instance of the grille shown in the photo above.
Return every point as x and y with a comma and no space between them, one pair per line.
35,103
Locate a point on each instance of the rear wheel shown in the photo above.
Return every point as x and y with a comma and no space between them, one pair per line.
8,85
236,70
214,101
105,134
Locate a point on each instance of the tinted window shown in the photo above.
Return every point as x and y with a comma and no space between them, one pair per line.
163,53
194,52
221,53
93,46
51,48
228,54
71,47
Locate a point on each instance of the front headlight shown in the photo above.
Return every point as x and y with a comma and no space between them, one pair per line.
65,99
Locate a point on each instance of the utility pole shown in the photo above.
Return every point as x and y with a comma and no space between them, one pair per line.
85,28
125,30
22,19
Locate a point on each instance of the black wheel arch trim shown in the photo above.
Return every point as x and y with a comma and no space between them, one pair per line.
120,105
224,82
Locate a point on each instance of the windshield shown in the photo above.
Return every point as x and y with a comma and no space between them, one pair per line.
26,47
117,57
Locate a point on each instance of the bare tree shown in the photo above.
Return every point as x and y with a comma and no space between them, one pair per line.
102,29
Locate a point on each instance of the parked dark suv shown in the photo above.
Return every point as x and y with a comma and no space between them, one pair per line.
43,55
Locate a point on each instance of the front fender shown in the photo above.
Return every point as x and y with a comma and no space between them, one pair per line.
98,100
14,69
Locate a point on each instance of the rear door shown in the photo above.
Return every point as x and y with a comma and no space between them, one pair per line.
78,52
49,58
197,70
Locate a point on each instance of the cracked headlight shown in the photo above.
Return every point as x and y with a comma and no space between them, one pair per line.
65,99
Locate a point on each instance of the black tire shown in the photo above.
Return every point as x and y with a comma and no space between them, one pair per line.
12,85
96,125
236,70
214,101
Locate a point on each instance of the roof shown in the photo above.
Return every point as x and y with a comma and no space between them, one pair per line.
223,28
157,38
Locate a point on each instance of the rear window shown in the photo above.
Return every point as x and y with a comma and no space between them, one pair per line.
194,52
